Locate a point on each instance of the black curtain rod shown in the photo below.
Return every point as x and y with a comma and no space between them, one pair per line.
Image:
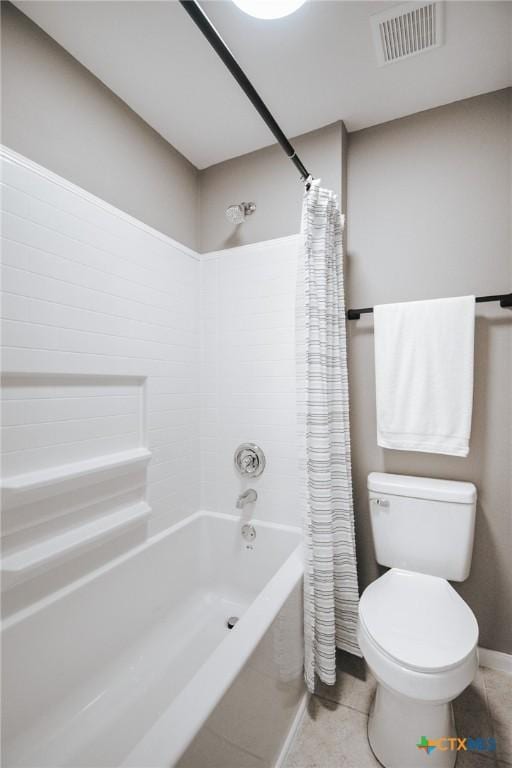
505,300
202,21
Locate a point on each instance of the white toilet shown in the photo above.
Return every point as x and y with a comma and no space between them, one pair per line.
418,636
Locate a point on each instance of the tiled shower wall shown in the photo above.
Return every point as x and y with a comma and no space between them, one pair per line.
101,356
248,376
120,343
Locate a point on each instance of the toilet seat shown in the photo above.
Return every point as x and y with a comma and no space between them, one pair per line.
418,621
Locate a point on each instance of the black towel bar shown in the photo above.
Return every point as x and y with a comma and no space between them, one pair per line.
505,300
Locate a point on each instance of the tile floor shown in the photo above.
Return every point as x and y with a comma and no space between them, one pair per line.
333,732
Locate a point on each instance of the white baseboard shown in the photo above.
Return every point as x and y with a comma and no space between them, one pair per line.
297,720
495,660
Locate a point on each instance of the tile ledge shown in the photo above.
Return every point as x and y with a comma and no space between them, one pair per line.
31,481
27,562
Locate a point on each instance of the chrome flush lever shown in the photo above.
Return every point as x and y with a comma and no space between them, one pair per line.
381,502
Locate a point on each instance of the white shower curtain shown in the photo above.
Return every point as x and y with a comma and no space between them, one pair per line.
330,581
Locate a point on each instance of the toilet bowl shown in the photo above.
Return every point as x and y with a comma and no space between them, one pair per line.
419,639
417,635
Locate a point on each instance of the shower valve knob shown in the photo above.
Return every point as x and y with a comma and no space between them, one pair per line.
249,460
248,463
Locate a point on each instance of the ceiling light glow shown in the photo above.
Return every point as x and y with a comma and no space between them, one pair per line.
269,9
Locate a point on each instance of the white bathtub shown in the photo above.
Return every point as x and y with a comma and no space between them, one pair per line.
134,665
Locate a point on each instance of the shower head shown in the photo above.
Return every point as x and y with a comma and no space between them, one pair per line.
236,213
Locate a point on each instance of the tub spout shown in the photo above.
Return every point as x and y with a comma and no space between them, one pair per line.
246,498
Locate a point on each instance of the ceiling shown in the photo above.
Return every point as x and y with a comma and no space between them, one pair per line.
311,68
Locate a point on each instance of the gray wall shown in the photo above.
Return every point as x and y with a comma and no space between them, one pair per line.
58,114
429,215
267,178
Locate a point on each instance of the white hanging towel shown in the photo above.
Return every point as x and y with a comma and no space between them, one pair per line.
424,374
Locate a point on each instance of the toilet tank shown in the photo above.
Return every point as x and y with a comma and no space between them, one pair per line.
423,525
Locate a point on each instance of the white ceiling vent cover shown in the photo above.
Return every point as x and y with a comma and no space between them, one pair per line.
406,30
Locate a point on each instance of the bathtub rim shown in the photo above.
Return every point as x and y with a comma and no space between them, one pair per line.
230,655
160,746
39,605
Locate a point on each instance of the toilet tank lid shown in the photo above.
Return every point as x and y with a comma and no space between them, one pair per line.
422,487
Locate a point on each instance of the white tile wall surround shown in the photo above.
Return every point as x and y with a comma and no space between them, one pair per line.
248,375
31,561
120,342
58,426
43,482
100,319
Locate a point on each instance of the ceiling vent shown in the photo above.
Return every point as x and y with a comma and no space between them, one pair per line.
406,30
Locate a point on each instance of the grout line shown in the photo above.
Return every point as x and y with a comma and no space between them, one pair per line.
78,308
76,261
341,704
81,286
500,760
94,224
116,336
488,707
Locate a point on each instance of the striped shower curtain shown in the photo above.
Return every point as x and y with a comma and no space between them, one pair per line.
330,580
